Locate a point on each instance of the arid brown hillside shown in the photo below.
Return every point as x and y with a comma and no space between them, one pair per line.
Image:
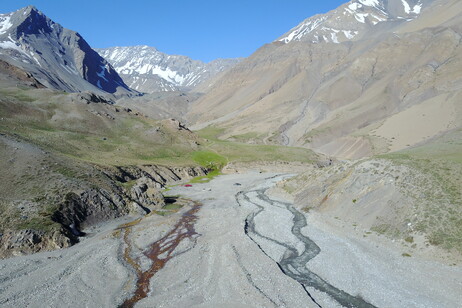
387,91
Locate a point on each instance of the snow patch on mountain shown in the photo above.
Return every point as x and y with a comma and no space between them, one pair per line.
12,44
168,74
414,10
102,74
303,29
354,6
407,8
350,34
373,3
352,20
5,23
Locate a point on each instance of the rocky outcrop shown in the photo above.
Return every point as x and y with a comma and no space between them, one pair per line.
90,207
90,97
131,190
157,176
146,197
15,243
134,190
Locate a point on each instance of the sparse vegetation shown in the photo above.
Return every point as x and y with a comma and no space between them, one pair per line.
19,93
207,178
128,185
386,229
13,219
172,206
39,223
243,152
437,189
210,160
251,136
409,239
92,133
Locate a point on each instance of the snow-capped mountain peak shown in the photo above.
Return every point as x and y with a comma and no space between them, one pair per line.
352,20
59,58
146,69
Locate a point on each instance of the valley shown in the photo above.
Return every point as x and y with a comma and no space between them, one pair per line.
238,256
324,170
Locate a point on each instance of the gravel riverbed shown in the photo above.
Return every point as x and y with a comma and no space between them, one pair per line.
222,266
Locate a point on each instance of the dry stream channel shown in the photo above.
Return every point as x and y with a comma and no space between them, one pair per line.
292,264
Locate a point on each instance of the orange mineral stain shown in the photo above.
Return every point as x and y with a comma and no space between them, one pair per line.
164,247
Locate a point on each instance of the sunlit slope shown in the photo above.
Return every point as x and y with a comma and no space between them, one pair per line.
391,90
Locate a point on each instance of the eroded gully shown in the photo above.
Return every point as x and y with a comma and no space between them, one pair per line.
292,263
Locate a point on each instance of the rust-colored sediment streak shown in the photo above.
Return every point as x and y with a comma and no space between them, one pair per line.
127,252
164,247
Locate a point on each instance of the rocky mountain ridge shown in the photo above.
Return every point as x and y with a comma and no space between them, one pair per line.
146,69
55,56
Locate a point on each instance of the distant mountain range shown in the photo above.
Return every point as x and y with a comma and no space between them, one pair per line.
146,69
61,59
57,57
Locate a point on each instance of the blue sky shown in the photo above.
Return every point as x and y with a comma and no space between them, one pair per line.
202,29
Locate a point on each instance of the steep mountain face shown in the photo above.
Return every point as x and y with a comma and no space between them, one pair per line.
148,70
354,20
395,87
57,57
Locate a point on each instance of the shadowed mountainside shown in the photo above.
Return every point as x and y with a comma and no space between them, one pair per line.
57,57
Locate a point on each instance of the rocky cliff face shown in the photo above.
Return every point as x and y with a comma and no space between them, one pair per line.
134,189
57,57
148,70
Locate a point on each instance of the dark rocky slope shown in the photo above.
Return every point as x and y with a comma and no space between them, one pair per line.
57,57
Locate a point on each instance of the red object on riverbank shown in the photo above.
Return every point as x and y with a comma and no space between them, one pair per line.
188,185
